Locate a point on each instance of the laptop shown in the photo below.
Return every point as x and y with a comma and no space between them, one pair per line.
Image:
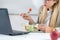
5,25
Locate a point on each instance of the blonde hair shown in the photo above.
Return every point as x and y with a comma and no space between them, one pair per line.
53,19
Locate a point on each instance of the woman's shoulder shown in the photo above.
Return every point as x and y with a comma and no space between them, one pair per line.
41,8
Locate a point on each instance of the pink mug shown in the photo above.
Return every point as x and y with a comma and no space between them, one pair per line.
54,35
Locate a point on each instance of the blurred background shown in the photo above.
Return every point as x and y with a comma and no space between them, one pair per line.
15,7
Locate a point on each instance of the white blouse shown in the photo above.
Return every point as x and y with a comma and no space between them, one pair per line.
48,17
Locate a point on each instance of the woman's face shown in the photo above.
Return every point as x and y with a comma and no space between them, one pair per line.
49,3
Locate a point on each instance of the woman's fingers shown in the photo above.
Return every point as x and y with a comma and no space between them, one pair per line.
41,27
44,28
25,16
22,14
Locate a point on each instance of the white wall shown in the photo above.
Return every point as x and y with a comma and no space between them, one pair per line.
18,6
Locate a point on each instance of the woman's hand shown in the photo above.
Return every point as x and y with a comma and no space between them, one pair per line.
27,17
44,28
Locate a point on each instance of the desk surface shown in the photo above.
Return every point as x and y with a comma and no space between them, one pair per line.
30,36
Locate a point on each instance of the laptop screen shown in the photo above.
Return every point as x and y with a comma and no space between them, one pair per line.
5,26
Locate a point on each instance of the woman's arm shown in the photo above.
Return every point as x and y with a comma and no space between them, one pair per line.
39,14
31,22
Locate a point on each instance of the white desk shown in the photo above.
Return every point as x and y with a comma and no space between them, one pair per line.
30,36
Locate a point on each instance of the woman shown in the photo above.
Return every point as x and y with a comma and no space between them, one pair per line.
48,16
